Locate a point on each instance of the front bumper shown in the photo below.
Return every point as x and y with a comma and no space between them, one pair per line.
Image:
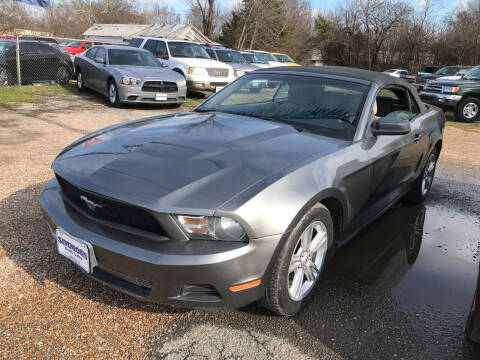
134,94
207,83
444,101
185,273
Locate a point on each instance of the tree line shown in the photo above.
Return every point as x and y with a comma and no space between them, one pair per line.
371,34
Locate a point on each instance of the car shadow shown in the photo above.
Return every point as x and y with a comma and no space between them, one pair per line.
99,99
353,313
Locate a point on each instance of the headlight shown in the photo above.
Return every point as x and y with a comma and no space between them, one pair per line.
449,89
212,228
196,71
182,83
239,73
129,81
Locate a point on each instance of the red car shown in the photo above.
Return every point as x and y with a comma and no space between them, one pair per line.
80,46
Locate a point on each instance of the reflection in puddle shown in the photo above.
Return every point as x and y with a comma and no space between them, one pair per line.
423,256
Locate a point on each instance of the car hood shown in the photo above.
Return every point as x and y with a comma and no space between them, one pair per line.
456,82
206,63
188,163
149,72
242,66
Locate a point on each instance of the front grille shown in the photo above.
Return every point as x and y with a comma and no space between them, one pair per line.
434,88
214,72
111,210
159,86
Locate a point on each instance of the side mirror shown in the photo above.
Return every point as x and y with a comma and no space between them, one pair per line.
161,55
99,60
390,126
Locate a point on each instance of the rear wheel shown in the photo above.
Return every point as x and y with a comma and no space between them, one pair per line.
468,110
300,264
4,81
63,75
421,186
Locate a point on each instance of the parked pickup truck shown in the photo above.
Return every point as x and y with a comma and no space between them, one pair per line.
461,96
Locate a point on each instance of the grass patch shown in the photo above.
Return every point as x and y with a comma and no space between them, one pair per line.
194,101
31,93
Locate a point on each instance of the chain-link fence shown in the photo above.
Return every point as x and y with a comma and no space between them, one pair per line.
26,62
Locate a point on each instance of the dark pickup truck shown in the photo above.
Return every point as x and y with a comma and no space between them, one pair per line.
461,96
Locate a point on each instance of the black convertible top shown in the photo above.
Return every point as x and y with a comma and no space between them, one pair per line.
372,76
368,76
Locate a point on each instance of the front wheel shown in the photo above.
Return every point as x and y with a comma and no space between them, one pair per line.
468,110
421,186
300,264
80,83
113,99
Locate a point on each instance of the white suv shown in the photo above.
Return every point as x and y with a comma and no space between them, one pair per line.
190,59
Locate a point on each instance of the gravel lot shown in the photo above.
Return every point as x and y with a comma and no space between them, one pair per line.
378,300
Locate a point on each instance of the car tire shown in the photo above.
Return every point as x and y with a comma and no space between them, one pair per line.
468,110
63,75
288,290
80,83
112,95
421,186
4,78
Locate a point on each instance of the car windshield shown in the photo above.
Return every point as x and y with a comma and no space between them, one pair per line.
447,70
230,56
5,45
284,58
318,105
187,50
254,58
74,44
131,57
473,74
268,56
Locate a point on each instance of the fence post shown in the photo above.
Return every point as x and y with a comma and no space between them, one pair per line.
19,73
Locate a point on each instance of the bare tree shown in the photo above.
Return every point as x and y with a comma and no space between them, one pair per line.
202,12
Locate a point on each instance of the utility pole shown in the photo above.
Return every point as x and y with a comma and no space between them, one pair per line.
17,50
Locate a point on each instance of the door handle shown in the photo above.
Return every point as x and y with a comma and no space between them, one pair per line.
417,137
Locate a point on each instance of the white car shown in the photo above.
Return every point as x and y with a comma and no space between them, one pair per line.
189,59
396,72
272,60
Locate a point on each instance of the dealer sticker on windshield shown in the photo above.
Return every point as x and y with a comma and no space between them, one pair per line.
73,249
160,97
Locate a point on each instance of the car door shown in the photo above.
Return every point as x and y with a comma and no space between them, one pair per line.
50,62
86,64
99,73
31,62
395,159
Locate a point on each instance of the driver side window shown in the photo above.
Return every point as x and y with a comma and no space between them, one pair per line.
393,102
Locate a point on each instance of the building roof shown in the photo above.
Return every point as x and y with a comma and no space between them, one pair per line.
168,31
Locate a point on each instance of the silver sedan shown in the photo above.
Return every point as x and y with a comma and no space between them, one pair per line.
128,75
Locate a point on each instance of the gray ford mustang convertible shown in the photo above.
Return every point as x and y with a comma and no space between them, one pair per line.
128,75
247,197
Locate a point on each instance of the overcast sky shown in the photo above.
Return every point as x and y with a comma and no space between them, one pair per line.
442,6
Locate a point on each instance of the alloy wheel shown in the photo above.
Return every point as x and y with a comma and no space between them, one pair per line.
79,80
3,77
428,174
112,93
470,110
307,260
